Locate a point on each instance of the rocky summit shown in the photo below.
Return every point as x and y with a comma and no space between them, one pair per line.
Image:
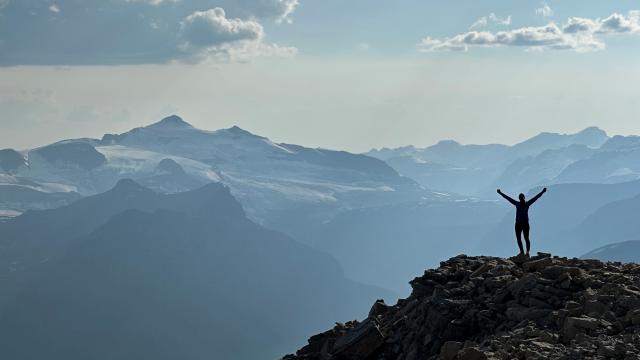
474,308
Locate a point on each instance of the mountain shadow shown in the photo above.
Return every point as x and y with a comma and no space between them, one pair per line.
626,251
133,274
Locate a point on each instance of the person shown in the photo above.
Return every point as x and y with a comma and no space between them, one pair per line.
522,217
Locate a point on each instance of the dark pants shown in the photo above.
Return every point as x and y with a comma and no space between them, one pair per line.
523,228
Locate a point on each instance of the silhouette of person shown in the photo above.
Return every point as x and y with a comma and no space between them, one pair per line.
522,217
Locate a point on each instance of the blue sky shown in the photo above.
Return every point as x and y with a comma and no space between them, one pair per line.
346,74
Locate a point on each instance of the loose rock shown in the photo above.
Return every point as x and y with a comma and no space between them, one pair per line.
474,308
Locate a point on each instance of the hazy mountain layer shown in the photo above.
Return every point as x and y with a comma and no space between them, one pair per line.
385,245
476,169
560,220
626,251
133,274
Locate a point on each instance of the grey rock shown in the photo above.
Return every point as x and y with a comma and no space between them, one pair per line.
491,308
471,353
450,350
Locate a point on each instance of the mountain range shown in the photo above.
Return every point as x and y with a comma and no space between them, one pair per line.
363,209
171,155
548,158
135,274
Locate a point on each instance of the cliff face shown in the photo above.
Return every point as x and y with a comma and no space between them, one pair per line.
491,308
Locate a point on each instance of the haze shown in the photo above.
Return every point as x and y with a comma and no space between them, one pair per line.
351,76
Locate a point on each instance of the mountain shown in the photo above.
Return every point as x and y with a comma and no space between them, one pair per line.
283,186
135,274
529,172
592,137
494,308
16,199
11,160
71,154
626,251
472,169
445,177
613,222
384,245
615,162
270,178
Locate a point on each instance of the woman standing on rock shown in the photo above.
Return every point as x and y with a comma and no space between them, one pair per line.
522,217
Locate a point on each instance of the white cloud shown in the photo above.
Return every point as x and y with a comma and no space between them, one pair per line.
580,25
286,8
212,27
549,36
482,22
148,31
578,34
492,19
210,35
618,23
544,11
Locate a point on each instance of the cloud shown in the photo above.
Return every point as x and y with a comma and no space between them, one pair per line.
210,34
280,9
212,28
577,34
576,25
492,19
618,23
114,32
544,11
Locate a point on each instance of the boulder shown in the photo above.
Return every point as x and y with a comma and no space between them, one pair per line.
450,350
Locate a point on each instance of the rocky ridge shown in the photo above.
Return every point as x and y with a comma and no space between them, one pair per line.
474,308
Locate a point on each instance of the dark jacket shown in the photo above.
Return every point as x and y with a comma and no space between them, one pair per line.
522,208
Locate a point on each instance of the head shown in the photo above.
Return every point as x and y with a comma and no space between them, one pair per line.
521,197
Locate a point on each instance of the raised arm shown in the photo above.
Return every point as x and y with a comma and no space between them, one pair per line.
508,198
533,199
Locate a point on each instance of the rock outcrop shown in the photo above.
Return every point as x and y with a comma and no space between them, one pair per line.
474,308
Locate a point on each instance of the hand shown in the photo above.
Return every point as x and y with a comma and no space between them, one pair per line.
499,192
544,190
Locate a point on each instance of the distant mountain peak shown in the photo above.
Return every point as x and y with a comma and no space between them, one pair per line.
170,166
236,130
593,130
447,143
128,186
11,160
171,122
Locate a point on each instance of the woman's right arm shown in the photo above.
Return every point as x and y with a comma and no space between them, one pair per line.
508,198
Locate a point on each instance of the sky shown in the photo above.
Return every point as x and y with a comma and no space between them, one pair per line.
341,74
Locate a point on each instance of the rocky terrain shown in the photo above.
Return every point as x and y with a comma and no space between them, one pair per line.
474,308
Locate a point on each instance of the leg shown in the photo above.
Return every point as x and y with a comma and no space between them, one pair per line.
519,237
526,237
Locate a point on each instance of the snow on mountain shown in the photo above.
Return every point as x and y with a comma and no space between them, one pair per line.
268,178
